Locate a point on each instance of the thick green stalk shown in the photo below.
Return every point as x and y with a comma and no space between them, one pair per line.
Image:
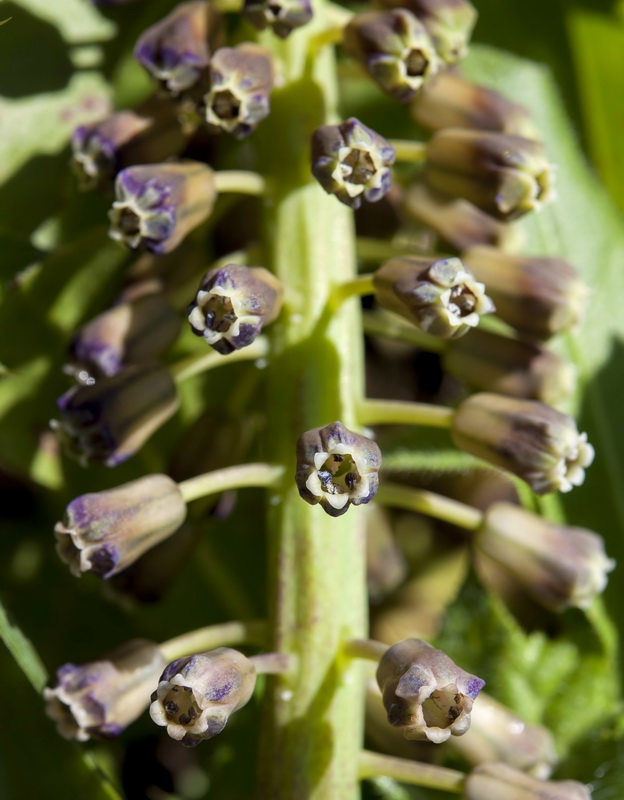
312,733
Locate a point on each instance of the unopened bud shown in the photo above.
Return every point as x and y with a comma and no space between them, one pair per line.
110,420
157,205
101,698
128,333
104,532
504,175
533,441
282,16
233,304
499,364
337,468
539,297
176,50
558,566
425,692
197,694
441,297
240,80
502,782
352,162
449,100
394,48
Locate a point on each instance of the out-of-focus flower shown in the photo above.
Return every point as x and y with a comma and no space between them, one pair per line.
282,16
101,698
157,205
533,441
352,162
104,532
233,304
558,565
502,782
197,694
439,296
425,692
110,420
337,468
394,48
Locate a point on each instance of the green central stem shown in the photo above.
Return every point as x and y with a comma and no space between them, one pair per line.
312,733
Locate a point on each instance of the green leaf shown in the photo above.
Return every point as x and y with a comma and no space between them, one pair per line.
22,651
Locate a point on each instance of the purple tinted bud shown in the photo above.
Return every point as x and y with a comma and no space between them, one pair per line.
159,204
282,16
110,420
197,694
502,782
241,79
104,532
425,692
233,304
176,50
337,468
352,162
394,48
101,698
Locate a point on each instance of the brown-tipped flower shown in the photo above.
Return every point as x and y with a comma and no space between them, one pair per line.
233,304
539,297
559,566
101,698
499,364
157,205
497,734
176,50
448,22
504,175
104,532
282,16
128,333
337,468
240,81
197,694
149,134
449,100
502,782
110,420
352,162
441,297
394,48
533,441
425,692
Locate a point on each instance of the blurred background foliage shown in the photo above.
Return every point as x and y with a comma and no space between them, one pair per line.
64,63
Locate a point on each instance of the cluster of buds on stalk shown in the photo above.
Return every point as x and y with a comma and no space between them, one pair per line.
481,167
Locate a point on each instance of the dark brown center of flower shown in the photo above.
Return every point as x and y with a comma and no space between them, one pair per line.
339,474
180,706
360,166
416,63
219,313
226,105
462,300
129,222
442,708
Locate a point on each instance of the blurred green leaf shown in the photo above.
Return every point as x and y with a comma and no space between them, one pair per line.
22,651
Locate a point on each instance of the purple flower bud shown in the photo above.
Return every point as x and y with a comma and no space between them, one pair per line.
533,441
505,176
159,204
104,532
176,50
337,468
233,304
559,566
240,79
425,692
394,48
129,333
352,162
441,297
502,782
101,698
282,16
197,694
110,420
537,296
